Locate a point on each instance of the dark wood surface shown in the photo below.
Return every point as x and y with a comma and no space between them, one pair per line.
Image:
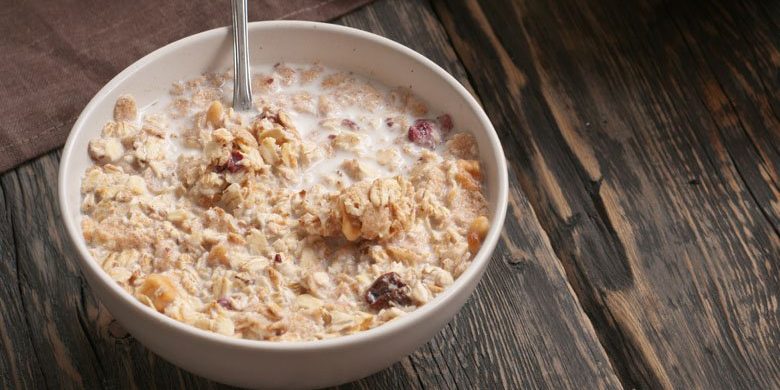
642,242
646,139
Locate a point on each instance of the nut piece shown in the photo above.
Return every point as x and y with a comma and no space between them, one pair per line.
159,289
469,174
105,150
219,255
477,232
350,229
471,167
276,133
125,109
215,114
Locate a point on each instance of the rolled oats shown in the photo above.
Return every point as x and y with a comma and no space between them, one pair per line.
335,207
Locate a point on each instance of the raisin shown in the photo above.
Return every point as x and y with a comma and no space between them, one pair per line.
277,258
389,122
350,124
423,133
445,121
387,289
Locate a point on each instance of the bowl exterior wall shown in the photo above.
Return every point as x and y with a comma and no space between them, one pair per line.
266,364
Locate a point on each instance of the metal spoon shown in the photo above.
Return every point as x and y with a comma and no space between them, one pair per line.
242,85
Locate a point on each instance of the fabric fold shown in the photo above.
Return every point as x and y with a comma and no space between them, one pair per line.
58,54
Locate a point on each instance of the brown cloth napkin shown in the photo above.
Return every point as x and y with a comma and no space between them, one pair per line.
56,54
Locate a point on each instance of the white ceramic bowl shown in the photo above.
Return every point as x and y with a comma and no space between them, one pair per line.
250,363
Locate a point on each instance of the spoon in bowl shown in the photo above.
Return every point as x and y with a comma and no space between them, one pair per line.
242,85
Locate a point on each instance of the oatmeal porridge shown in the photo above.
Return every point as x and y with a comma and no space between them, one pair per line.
335,206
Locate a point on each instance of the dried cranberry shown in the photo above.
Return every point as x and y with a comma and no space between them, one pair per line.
232,164
387,289
226,303
445,121
423,133
277,258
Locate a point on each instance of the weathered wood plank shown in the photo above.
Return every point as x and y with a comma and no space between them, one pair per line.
75,340
523,327
732,50
19,364
628,169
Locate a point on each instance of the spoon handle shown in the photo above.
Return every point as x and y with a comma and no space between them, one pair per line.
242,86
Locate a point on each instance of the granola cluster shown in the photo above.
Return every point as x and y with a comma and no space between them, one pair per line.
230,223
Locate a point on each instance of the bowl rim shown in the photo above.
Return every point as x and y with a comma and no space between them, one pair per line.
474,271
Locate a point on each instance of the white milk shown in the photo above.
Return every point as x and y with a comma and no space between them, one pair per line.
374,132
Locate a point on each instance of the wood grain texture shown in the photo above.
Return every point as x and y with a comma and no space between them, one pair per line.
734,58
646,137
18,364
75,343
522,328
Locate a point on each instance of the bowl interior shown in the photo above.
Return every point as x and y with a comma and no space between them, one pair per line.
271,42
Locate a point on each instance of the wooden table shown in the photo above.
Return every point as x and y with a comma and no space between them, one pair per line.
642,242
